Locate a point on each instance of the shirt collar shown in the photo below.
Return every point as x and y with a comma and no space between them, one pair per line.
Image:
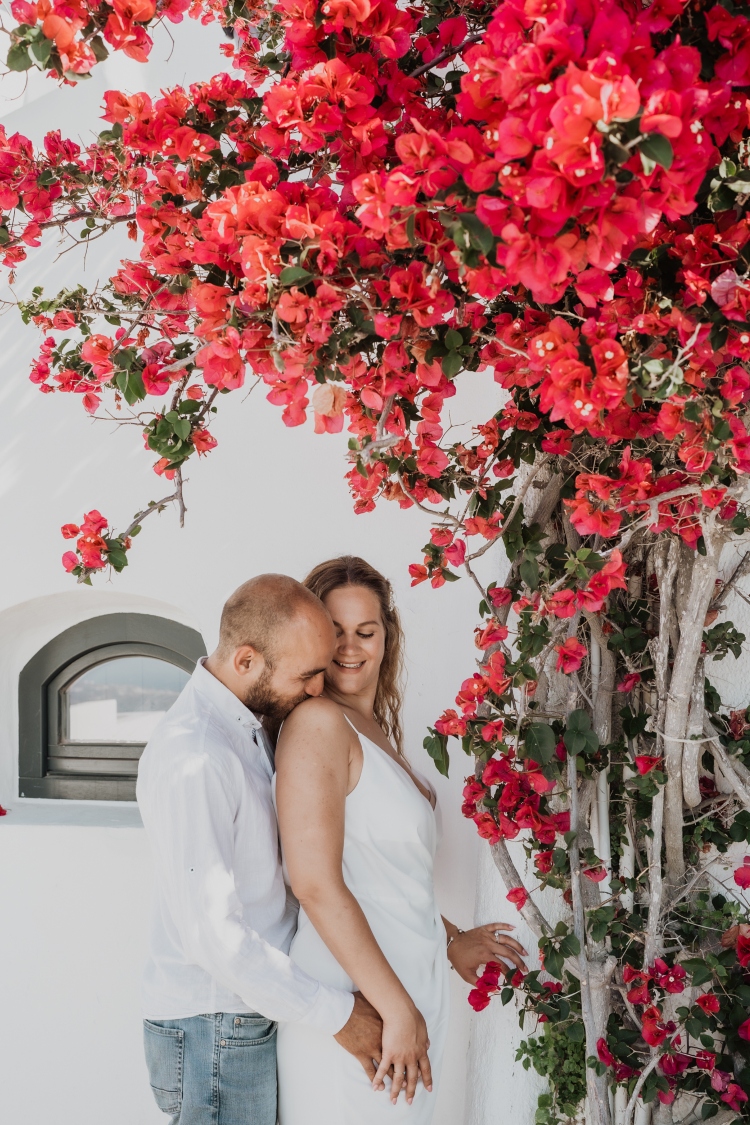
225,701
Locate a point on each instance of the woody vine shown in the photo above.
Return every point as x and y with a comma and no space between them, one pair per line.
382,202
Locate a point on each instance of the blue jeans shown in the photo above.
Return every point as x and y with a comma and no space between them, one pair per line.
216,1069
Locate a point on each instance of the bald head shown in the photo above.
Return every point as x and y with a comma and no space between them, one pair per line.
260,611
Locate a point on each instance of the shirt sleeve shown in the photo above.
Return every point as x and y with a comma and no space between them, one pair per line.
192,833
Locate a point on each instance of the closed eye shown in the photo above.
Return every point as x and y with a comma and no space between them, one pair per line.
365,636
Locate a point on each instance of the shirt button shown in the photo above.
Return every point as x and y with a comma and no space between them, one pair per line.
223,1043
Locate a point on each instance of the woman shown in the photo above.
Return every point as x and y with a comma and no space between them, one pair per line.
359,832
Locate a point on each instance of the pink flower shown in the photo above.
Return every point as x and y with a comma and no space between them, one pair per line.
70,560
742,874
744,1030
629,682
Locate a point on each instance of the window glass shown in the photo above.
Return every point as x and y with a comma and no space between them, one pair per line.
121,700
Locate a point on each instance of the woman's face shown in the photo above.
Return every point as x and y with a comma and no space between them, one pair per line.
360,639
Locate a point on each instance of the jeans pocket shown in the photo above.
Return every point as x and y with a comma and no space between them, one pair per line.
251,1030
164,1049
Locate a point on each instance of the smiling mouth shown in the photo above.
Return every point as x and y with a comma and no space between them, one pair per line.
349,667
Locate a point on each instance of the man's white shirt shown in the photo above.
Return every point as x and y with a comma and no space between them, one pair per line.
222,919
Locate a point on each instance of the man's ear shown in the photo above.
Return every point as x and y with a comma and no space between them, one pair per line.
247,661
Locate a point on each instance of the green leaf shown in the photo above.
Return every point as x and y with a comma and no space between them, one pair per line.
436,746
295,275
658,149
452,364
699,971
453,339
41,50
575,742
579,720
570,946
530,571
708,1109
131,385
99,50
481,236
576,1033
18,57
540,743
553,963
182,428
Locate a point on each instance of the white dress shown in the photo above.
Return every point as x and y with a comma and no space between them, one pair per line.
389,847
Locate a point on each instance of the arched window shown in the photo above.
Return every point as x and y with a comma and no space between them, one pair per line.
90,699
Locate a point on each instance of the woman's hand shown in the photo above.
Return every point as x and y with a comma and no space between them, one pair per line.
405,1045
474,948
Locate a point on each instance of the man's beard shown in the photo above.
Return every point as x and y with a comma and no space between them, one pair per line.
263,700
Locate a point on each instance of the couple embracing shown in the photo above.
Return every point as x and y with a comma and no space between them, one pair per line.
296,945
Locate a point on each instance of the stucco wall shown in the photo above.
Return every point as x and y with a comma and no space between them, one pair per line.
75,878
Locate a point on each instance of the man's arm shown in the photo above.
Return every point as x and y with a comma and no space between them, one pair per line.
191,829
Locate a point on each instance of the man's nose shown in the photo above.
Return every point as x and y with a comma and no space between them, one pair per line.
315,685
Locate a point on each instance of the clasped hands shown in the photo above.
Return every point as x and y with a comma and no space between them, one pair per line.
397,1048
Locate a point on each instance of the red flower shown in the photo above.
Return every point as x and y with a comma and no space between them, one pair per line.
735,1097
479,999
418,573
519,896
705,1060
570,655
652,1029
744,1030
629,682
743,950
708,1002
644,763
670,979
604,1053
451,724
543,862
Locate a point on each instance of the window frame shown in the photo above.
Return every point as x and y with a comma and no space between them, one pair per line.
40,699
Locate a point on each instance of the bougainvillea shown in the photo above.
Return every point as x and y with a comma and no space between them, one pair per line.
383,202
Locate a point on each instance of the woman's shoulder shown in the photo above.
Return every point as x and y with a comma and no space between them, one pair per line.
319,716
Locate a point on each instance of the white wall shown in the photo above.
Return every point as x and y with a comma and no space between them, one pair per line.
74,879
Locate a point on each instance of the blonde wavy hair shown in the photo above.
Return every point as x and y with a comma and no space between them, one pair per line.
348,570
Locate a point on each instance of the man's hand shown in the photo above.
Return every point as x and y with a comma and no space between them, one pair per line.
362,1036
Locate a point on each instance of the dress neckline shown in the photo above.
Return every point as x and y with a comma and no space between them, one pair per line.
409,776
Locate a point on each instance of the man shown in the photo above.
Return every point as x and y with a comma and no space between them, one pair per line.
218,975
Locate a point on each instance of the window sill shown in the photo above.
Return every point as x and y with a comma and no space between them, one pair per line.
75,814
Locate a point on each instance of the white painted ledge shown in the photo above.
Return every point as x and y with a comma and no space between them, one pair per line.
72,814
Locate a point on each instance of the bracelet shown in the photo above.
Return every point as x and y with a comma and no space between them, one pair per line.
453,938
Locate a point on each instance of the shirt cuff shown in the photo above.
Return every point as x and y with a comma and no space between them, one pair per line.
330,1010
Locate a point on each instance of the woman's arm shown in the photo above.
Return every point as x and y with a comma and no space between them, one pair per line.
470,949
312,780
